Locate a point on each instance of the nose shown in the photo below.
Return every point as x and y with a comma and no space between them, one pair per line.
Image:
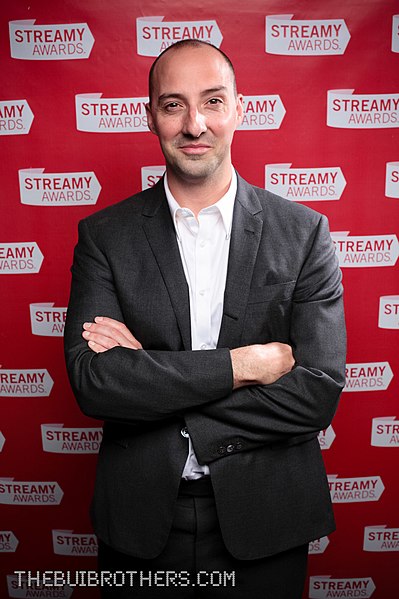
194,123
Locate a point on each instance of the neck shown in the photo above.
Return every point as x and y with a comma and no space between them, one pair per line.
199,194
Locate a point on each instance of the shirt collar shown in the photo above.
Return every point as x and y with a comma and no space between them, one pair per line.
225,205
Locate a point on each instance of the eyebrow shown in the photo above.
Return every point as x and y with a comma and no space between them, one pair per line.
206,92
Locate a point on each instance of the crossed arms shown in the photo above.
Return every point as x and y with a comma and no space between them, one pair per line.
259,364
252,393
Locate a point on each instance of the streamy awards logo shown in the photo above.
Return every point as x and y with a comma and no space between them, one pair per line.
388,317
367,376
323,587
15,117
154,34
385,432
8,541
46,320
20,258
395,33
66,542
326,437
25,383
57,439
305,184
318,546
110,115
392,180
58,189
305,37
262,113
365,251
381,538
19,587
347,110
150,175
29,492
356,489
50,42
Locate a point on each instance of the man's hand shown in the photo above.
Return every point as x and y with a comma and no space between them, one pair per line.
105,333
261,364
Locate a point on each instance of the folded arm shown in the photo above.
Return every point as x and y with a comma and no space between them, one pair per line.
223,395
123,383
251,365
302,402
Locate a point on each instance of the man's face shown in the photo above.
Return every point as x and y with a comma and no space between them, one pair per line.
194,112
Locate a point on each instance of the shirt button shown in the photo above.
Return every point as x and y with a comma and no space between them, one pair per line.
202,243
230,448
184,432
204,346
202,292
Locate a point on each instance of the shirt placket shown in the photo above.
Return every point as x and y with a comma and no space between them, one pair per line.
203,262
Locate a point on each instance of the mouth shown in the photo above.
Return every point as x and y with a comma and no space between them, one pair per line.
194,149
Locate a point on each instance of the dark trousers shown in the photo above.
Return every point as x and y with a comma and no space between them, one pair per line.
195,563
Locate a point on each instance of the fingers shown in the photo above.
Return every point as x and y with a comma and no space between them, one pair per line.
102,340
106,333
96,347
106,338
119,327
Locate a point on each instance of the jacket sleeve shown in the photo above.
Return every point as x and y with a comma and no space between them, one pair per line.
127,385
301,403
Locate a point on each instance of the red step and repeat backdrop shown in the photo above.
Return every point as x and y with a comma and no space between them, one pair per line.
321,87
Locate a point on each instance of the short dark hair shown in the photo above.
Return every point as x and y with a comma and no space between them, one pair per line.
194,43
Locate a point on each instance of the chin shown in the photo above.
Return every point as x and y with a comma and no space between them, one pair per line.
196,170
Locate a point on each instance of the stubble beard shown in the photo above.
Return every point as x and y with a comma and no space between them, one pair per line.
194,168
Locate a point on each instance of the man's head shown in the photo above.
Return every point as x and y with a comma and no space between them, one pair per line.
190,43
194,110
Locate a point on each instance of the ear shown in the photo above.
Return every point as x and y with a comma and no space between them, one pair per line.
150,120
240,109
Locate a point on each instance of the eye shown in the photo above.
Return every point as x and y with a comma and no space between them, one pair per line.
171,106
215,101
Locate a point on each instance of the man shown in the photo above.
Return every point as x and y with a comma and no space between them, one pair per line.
213,347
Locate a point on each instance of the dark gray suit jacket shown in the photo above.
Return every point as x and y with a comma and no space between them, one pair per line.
283,284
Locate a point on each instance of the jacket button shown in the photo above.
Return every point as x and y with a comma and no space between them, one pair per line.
230,448
184,432
221,450
238,446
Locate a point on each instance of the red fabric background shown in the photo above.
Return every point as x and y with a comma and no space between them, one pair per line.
368,66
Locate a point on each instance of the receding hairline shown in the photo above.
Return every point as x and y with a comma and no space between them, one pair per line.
189,43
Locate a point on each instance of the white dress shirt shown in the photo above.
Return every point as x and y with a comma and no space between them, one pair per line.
204,249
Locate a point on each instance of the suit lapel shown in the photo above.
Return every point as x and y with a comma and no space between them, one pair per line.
245,237
161,235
